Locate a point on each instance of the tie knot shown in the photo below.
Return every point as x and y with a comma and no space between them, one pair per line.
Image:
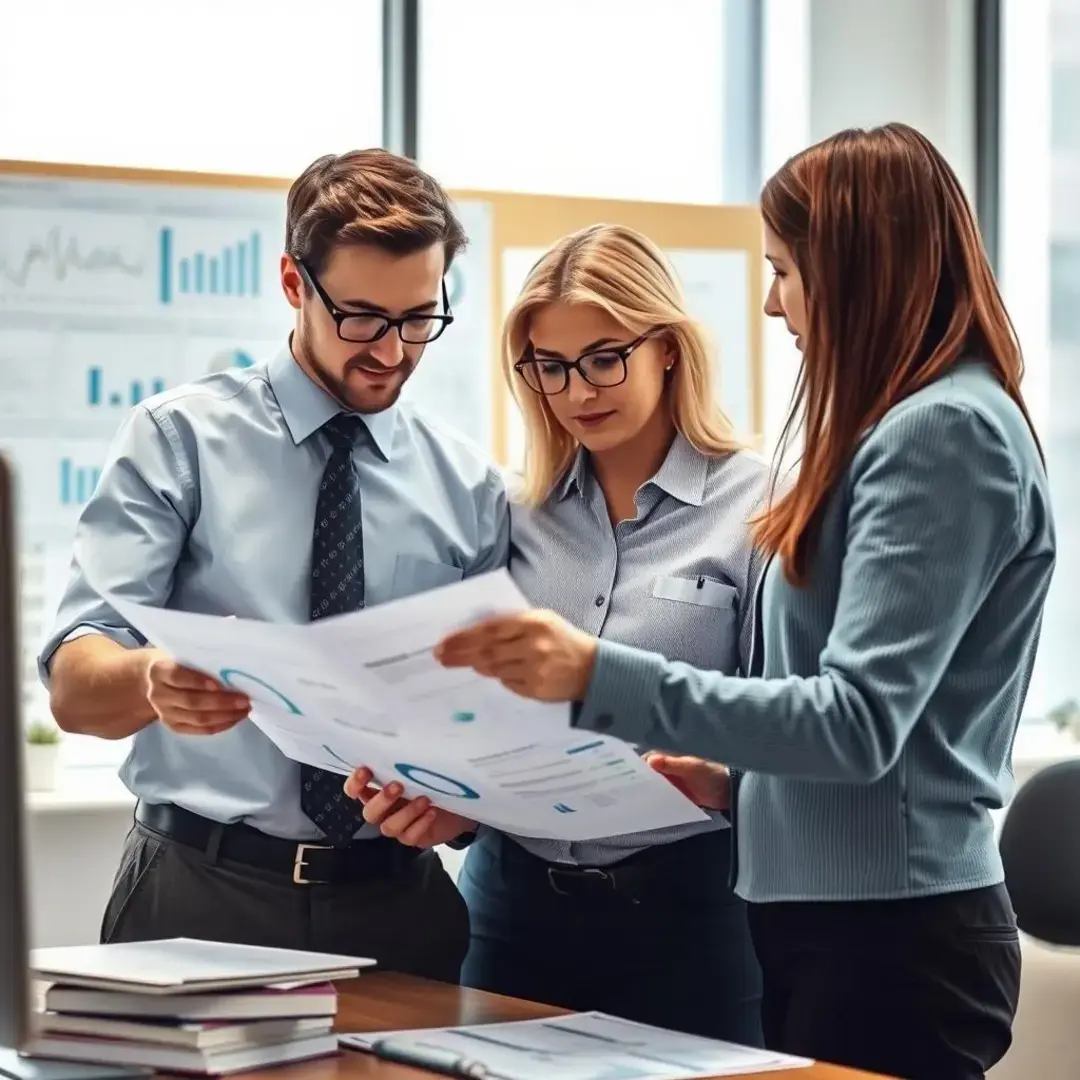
342,430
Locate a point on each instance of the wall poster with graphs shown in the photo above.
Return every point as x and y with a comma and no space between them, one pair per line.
111,290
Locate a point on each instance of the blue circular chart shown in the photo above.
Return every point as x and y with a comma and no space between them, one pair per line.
434,781
229,676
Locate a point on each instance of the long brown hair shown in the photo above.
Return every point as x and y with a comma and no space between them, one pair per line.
898,290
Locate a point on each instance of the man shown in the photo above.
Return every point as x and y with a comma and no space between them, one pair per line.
285,491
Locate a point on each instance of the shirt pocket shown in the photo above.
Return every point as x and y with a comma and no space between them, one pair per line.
413,574
696,620
703,591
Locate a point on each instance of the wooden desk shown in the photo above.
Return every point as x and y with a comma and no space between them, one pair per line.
382,1001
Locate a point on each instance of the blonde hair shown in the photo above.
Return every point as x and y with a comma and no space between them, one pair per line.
624,274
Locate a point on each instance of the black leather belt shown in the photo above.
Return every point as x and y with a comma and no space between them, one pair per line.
694,863
301,863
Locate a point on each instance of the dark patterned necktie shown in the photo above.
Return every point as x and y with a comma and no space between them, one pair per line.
337,587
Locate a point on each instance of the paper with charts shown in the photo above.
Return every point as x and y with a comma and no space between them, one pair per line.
366,689
579,1046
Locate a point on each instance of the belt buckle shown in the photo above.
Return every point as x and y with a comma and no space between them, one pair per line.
584,873
300,863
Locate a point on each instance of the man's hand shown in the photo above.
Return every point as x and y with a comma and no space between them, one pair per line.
705,783
189,702
537,654
413,822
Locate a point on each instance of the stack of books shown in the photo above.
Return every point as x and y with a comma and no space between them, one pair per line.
183,1005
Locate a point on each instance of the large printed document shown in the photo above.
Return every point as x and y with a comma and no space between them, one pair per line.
366,689
580,1046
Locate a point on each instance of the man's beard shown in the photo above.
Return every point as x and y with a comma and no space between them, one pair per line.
338,387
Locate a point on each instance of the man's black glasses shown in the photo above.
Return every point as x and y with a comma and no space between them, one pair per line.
361,327
603,367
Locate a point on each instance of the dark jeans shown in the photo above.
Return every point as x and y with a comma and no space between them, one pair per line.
669,946
924,989
412,921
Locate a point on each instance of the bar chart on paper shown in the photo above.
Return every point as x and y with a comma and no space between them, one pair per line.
233,270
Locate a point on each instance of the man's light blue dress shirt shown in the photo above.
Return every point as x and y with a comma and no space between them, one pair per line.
206,504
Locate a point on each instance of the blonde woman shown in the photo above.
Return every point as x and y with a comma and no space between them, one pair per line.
632,524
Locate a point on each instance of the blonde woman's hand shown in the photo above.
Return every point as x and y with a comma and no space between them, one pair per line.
413,822
705,783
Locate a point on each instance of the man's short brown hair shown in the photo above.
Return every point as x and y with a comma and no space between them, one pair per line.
368,197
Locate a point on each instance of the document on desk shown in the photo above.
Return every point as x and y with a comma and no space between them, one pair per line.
366,689
579,1046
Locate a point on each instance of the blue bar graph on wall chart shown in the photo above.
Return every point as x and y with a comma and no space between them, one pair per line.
132,392
77,482
232,271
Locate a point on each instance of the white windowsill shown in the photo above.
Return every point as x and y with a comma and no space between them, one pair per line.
82,790
99,789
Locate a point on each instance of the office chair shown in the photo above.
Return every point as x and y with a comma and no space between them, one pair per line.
1040,847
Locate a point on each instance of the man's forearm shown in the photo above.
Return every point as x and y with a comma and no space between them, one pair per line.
99,687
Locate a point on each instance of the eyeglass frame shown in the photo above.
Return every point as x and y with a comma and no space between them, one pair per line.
621,351
443,318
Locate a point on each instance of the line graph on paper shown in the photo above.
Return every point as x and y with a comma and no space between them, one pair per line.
73,257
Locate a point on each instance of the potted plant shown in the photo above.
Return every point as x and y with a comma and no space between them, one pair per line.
42,756
1066,717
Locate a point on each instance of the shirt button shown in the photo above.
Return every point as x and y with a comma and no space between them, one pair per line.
603,721
600,600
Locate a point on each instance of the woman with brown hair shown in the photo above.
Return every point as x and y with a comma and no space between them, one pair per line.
899,618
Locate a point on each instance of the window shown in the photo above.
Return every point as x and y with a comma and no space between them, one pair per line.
238,86
785,131
610,98
1040,277
203,85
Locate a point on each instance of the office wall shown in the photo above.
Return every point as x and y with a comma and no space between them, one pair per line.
72,858
73,855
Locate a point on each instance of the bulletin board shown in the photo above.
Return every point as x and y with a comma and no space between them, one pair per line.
117,283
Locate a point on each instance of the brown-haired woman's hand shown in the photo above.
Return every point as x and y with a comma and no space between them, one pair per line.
414,822
705,783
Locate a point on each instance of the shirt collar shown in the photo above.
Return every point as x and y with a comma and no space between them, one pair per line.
575,475
306,406
682,475
684,472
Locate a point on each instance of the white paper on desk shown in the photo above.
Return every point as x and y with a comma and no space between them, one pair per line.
373,669
586,1046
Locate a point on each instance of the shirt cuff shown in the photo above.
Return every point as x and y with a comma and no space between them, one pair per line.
621,694
121,635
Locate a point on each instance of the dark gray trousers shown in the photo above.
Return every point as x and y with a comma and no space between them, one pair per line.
413,921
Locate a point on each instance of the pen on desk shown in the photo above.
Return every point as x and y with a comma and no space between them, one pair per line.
428,1057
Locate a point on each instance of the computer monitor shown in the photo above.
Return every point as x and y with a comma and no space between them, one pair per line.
16,1011
15,1008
